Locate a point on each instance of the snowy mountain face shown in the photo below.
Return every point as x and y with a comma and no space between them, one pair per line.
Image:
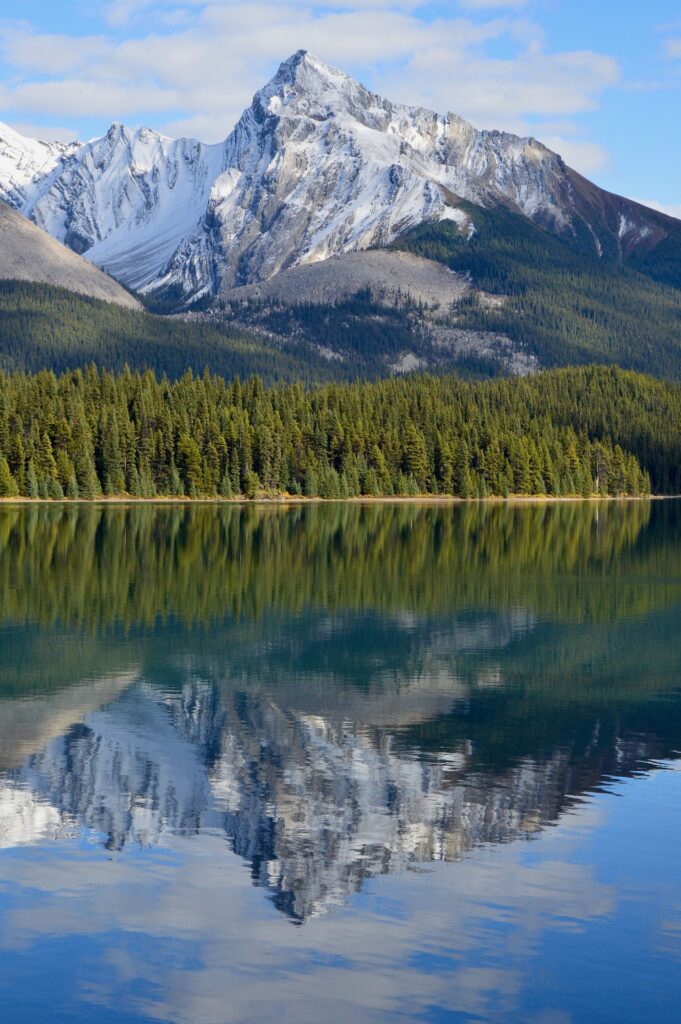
24,163
322,166
127,200
315,167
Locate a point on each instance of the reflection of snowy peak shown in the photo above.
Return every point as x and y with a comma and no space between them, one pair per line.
26,819
346,805
315,803
124,772
316,166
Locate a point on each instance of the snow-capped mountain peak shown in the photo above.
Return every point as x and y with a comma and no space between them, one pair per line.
305,85
316,166
127,200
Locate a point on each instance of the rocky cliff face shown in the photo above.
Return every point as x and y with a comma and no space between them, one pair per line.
315,167
127,200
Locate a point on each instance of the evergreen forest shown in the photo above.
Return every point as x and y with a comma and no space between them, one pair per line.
581,431
44,327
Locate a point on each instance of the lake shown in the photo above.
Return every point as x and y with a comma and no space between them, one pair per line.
340,763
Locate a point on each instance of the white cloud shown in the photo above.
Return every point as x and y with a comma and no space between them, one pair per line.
46,133
122,11
673,47
586,157
671,209
485,5
76,97
51,54
502,93
199,67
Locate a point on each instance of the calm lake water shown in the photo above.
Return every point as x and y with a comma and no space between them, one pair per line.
341,763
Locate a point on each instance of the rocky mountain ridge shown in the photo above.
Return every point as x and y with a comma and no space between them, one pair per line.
317,166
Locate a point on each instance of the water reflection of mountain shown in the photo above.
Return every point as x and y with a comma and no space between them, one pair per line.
316,799
338,692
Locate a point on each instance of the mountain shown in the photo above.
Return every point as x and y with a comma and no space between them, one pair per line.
355,235
25,161
29,254
315,167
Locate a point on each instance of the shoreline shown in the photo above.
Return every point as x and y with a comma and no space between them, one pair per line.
291,499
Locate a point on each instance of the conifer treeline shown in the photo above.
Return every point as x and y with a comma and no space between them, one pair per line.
581,431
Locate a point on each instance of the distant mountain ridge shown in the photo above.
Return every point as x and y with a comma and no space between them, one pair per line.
317,166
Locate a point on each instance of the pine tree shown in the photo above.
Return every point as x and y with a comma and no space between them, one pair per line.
189,459
8,485
416,456
253,485
32,490
226,486
463,485
55,490
310,484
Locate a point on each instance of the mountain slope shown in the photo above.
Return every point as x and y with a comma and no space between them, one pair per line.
43,327
563,305
389,275
316,166
29,254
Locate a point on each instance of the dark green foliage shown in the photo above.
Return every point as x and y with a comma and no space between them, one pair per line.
42,326
369,335
560,301
363,337
8,485
580,431
663,263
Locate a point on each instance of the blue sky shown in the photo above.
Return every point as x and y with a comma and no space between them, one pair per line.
598,80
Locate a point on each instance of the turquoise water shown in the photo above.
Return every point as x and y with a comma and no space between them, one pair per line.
341,763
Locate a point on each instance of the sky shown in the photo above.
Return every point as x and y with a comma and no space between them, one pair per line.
597,80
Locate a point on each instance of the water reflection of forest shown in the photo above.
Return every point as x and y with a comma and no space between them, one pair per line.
94,566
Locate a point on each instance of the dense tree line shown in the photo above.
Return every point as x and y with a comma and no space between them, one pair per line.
366,337
42,327
569,432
